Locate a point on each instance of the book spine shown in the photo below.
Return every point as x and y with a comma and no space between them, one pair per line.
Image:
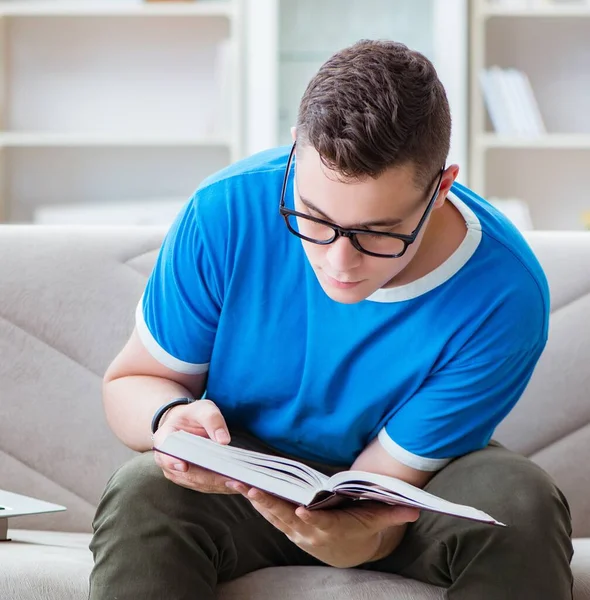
509,100
494,102
536,115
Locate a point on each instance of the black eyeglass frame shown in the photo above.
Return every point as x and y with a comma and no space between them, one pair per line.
352,233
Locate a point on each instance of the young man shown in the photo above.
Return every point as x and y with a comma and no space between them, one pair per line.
347,303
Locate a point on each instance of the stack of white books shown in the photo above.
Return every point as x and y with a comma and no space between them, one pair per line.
511,102
511,3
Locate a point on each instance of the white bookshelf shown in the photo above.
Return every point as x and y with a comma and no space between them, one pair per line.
115,8
553,141
535,10
106,101
48,140
550,43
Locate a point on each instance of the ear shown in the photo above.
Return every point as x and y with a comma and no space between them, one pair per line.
294,134
448,178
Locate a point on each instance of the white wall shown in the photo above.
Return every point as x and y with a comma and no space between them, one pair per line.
451,61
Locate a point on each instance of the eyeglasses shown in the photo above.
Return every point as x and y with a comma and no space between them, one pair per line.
374,243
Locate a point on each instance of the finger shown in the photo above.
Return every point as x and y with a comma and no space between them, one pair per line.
210,417
238,487
200,480
164,461
206,479
198,475
383,516
272,518
280,509
200,418
177,422
320,519
400,515
182,481
180,422
274,521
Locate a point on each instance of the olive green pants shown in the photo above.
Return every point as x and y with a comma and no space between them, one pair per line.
155,540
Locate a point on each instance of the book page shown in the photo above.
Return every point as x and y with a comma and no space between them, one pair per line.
294,468
390,489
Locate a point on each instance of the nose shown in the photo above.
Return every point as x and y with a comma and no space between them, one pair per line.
343,256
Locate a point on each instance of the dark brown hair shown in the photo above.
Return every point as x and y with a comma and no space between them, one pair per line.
375,105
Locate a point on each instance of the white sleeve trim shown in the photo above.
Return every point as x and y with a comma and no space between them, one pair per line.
407,458
163,357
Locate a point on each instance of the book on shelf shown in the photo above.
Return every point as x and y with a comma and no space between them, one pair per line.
302,485
561,2
511,102
514,4
221,108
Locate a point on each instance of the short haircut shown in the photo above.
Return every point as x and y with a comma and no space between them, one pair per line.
376,105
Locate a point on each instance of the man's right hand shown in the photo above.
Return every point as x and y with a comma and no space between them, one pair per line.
200,418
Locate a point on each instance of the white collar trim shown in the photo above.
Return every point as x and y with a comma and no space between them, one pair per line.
443,272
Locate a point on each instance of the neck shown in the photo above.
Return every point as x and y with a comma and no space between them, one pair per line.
444,233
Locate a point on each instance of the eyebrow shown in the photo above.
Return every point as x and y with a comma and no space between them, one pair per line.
379,223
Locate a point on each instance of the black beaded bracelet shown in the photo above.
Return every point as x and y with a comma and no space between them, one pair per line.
165,407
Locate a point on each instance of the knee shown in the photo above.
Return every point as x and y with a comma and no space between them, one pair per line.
531,498
509,487
136,482
525,498
137,476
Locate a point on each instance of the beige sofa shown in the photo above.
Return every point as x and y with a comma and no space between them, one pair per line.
66,307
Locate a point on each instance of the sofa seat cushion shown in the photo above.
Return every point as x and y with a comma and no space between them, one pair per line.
42,565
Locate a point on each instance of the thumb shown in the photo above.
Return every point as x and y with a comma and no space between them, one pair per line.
210,418
388,515
400,514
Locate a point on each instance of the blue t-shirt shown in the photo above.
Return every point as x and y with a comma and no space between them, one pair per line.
430,367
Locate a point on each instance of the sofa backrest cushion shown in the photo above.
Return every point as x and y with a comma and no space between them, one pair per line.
68,296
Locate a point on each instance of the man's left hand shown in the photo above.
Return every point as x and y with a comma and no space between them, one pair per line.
342,538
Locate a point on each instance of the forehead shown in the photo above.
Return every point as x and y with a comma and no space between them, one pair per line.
393,194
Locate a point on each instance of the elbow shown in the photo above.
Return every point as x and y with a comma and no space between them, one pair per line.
106,398
111,375
107,384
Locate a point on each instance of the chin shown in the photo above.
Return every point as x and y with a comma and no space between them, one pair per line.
352,296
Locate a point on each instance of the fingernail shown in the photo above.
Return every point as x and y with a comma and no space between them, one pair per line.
231,485
178,467
222,436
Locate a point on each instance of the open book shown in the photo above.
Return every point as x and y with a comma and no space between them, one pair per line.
300,484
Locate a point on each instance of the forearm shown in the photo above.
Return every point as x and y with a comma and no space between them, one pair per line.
130,403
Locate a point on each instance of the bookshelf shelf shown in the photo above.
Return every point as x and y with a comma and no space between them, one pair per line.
555,141
53,140
110,8
577,11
